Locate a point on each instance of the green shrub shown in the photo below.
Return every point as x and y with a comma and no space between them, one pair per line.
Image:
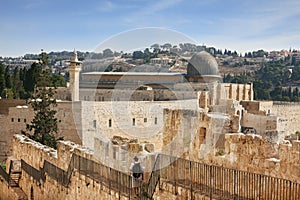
3,165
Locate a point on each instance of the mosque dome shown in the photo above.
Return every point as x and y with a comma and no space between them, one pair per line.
202,64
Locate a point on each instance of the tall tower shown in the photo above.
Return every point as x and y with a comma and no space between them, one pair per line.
74,69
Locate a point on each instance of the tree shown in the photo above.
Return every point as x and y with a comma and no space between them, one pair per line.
44,58
2,79
108,53
17,83
147,55
32,76
166,46
43,127
138,55
44,123
7,77
155,46
58,81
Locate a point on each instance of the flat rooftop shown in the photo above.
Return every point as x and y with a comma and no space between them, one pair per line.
136,73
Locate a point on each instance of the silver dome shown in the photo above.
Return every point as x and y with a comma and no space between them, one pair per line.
202,64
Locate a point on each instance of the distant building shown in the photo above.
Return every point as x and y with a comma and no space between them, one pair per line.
20,63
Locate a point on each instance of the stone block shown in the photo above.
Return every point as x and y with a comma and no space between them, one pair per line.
133,147
149,147
295,145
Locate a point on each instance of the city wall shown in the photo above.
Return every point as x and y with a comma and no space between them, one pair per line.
7,193
206,138
212,138
80,187
252,153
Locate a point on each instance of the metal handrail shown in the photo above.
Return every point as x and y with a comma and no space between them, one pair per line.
210,180
4,174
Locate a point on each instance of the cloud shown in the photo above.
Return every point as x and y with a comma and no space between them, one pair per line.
32,4
107,6
259,21
149,13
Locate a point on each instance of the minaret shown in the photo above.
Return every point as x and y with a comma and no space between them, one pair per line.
74,69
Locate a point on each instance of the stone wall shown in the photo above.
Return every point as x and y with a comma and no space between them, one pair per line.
118,153
6,103
291,111
16,118
7,192
269,154
258,107
263,123
135,95
243,152
180,91
130,119
194,134
13,122
235,91
80,187
253,154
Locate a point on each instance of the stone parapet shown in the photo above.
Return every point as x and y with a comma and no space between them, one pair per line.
254,154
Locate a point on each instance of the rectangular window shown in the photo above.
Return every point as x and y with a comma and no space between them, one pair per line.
12,119
123,156
24,120
202,135
109,123
133,121
19,119
106,150
145,120
114,152
94,123
155,120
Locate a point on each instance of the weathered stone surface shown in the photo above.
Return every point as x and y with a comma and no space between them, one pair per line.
133,147
118,140
149,147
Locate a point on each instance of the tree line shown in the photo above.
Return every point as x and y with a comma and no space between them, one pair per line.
19,83
273,81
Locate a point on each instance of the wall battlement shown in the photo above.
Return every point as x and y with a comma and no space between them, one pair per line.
254,154
35,153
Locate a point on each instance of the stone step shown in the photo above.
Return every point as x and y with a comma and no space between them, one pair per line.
14,175
14,179
15,172
13,184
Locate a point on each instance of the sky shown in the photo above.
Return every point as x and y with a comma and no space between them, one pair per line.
27,26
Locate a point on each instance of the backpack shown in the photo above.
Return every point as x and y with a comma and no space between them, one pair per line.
137,170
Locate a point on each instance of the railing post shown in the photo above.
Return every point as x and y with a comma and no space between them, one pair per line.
159,172
9,172
234,185
210,182
191,180
175,177
119,183
109,181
